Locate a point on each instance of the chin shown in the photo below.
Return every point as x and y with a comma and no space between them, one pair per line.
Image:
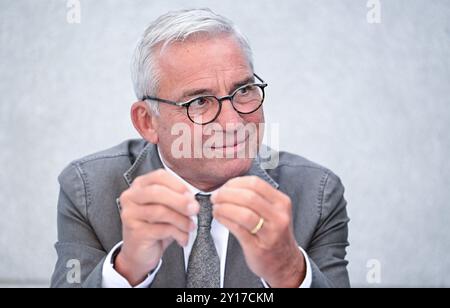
226,169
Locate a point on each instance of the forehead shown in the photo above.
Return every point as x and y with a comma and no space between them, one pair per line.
202,58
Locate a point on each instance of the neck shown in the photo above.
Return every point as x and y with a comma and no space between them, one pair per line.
204,185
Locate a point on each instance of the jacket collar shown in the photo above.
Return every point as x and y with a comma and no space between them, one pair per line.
146,161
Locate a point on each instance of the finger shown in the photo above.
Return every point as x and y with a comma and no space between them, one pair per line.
157,214
161,177
241,234
246,198
184,204
162,232
242,216
257,185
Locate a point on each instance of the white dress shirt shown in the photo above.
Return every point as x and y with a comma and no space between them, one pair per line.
220,234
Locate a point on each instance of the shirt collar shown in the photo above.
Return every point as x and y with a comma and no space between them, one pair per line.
192,189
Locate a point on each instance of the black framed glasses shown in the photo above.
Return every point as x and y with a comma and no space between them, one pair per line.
206,109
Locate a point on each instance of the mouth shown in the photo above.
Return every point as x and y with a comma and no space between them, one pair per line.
237,143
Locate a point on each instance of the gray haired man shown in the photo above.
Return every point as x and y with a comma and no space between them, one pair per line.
140,215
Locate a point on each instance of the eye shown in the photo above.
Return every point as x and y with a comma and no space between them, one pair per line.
245,90
200,103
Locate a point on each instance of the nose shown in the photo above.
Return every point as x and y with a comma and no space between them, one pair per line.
228,116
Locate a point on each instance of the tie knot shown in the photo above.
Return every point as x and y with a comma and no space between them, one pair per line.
205,215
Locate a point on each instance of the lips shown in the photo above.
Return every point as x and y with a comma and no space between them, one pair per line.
233,145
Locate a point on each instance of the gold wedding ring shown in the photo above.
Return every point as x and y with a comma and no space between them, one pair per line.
258,226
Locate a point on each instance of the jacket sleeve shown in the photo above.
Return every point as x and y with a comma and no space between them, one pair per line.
327,249
80,254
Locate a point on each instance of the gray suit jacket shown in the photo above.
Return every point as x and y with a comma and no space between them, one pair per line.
89,223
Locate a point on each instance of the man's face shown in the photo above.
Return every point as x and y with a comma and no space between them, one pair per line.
205,66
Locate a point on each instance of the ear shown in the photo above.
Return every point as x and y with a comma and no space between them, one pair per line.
144,122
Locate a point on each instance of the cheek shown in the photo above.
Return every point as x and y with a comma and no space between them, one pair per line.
171,125
258,120
170,118
255,118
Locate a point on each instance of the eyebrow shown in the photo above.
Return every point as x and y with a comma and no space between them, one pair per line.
205,91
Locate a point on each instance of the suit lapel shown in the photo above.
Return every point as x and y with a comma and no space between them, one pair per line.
147,161
237,273
172,272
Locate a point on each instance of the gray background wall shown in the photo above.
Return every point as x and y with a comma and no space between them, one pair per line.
369,101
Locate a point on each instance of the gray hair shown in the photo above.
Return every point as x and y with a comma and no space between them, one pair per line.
175,27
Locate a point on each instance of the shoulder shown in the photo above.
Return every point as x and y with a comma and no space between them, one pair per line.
308,171
107,164
129,149
122,154
307,181
300,167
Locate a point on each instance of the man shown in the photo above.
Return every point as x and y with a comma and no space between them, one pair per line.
142,215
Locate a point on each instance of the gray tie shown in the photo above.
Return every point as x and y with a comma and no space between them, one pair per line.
204,265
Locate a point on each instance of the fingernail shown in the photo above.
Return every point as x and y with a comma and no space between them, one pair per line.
193,207
215,209
213,196
189,195
192,226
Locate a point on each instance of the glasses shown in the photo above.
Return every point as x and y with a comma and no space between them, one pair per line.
205,109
